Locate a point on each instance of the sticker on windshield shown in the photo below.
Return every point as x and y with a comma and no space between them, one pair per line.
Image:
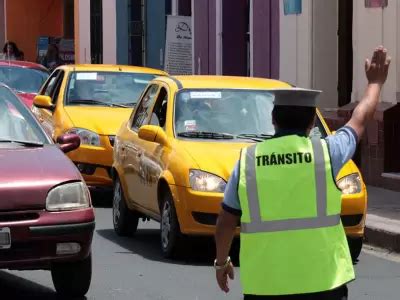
190,125
86,76
140,81
205,95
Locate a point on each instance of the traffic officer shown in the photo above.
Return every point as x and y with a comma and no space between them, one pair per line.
283,191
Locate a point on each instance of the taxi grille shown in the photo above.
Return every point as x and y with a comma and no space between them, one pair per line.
351,220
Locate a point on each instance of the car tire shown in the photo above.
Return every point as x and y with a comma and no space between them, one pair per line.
72,279
124,220
355,245
170,233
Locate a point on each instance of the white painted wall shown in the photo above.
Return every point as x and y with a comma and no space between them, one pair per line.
109,32
82,31
373,27
309,49
325,49
295,47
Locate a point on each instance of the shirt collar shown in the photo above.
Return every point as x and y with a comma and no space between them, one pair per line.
286,132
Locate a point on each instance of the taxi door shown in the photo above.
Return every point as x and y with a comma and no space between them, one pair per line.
153,158
132,148
52,89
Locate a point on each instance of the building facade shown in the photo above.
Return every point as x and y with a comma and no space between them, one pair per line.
24,21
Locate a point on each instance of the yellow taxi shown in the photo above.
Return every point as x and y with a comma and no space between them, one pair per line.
174,155
91,101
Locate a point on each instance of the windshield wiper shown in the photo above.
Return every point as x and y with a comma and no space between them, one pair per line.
25,143
129,104
255,137
96,102
206,135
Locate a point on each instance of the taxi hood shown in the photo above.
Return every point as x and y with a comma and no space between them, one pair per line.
215,157
220,157
102,120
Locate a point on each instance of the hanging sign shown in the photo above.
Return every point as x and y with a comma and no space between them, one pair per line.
292,7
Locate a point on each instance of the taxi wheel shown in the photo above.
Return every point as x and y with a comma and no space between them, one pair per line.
72,279
125,221
355,245
171,236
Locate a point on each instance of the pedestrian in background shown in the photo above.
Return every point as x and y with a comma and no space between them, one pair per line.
52,59
293,245
11,52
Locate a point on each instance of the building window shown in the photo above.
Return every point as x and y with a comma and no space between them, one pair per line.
69,19
136,32
96,31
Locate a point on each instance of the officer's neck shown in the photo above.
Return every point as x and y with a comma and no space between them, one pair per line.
284,132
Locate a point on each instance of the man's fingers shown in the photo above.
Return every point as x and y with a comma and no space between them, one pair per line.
223,282
388,61
382,58
231,274
367,64
375,55
387,64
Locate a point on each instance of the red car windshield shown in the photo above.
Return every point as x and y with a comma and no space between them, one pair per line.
22,79
17,122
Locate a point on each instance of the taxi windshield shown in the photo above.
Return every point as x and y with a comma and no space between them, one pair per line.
119,89
227,114
22,79
17,125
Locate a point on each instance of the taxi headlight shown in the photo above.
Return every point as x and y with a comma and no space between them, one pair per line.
87,137
206,182
70,196
350,184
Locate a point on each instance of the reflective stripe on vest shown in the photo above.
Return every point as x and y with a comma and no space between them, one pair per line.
257,225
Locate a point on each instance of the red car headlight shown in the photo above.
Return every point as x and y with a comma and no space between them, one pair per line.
70,196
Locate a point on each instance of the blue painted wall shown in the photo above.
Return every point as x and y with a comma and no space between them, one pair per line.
122,32
156,11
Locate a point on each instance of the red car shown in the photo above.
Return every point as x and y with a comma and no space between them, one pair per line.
24,78
46,215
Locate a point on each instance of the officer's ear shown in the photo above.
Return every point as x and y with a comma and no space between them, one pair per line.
312,125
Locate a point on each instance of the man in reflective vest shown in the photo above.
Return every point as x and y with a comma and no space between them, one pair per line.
283,190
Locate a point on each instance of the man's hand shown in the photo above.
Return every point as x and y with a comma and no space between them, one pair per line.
224,234
377,71
378,68
222,277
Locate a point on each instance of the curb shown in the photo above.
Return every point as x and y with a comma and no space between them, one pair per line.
383,232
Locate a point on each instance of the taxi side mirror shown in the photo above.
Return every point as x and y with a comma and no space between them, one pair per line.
42,101
154,134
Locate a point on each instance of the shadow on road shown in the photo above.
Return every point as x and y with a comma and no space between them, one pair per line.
14,287
146,243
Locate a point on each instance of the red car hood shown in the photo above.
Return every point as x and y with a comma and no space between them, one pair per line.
27,98
27,174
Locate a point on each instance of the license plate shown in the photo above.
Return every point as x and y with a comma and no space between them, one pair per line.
5,238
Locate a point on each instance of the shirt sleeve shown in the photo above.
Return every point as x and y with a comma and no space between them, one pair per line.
231,201
342,147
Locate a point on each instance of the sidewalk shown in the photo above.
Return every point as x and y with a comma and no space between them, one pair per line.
383,219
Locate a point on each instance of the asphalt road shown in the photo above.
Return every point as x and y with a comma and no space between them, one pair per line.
132,268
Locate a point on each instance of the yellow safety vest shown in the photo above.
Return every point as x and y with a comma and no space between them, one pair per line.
292,239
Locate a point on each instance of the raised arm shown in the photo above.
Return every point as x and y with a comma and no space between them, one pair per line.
377,72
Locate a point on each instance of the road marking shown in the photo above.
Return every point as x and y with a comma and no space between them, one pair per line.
381,253
385,224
